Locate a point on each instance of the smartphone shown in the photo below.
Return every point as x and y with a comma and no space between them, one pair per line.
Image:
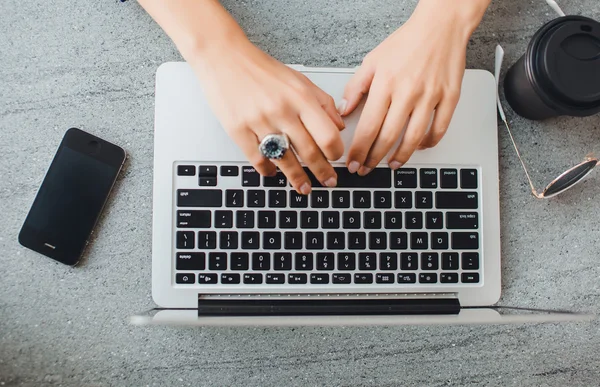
72,196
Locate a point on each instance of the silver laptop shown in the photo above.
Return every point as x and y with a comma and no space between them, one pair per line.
417,245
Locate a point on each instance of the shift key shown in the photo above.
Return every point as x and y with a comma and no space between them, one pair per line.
456,200
199,198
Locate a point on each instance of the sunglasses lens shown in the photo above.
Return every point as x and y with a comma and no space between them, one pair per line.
569,178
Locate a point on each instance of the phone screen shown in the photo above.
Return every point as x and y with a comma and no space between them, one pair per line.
71,197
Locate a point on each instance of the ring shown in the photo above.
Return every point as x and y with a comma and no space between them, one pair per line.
274,146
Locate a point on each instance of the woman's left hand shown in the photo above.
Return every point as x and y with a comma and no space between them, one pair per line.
412,77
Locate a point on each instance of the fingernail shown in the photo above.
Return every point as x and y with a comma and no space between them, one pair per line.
342,106
353,167
364,170
305,189
331,182
395,164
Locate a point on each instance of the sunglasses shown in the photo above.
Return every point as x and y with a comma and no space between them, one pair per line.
564,181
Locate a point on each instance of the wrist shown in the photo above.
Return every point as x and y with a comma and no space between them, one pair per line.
461,16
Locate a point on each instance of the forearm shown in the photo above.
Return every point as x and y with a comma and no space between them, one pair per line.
464,14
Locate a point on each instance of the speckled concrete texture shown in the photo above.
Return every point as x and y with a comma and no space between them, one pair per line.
91,64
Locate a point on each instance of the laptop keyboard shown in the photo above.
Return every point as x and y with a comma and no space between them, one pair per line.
415,226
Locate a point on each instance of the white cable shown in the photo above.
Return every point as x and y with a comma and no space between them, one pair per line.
554,5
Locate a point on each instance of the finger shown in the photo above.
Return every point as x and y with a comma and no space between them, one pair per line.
392,127
417,126
320,127
359,85
367,129
248,143
328,104
291,168
441,121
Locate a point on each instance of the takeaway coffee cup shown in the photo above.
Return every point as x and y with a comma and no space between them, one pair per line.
559,74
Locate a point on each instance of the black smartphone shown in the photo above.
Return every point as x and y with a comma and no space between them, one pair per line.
72,196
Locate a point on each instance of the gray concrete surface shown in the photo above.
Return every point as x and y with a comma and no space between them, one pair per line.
91,64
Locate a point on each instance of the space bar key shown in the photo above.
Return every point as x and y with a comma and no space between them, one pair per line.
377,178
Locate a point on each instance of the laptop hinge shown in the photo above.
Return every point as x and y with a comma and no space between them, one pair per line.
328,305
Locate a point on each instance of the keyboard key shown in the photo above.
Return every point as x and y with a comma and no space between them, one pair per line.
319,199
261,261
282,261
223,219
384,278
256,198
372,219
367,261
244,219
207,278
351,219
393,220
409,261
330,219
428,177
405,178
303,261
434,220
275,278
279,180
229,170
407,278
293,240
297,200
193,219
361,199
429,261
207,240
341,278
456,200
419,241
253,279
414,220
217,261
288,219
325,261
319,278
357,241
272,240
470,278
309,219
234,198
266,219
449,278
230,279
398,241
448,178
250,178
363,278
462,220
427,278
346,261
277,198
340,199
382,199
186,170
315,240
336,240
449,261
377,178
465,241
388,261
190,261
403,199
295,279
439,240
207,181
207,170
228,240
185,278
468,178
199,198
377,240
250,240
423,199
470,261
239,261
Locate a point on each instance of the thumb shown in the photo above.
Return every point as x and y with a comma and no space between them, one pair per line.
359,85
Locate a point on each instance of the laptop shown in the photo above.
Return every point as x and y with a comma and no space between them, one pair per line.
419,245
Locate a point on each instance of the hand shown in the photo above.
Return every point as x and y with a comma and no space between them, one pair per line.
254,95
412,77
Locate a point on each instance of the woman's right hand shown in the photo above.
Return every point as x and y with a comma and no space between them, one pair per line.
254,95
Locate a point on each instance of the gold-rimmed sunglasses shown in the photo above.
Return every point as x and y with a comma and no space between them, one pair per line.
565,180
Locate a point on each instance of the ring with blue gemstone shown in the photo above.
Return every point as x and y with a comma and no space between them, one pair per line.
274,146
